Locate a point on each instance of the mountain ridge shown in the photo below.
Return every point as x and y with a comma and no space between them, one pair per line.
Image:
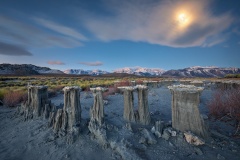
194,71
26,69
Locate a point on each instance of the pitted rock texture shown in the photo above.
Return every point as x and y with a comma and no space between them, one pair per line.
185,112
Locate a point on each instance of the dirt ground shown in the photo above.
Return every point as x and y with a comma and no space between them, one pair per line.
33,139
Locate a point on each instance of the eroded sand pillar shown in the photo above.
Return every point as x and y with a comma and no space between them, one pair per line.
37,99
96,125
143,109
97,110
185,112
128,113
72,108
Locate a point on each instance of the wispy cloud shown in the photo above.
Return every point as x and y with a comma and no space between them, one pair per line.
13,50
159,23
25,33
55,63
60,29
97,63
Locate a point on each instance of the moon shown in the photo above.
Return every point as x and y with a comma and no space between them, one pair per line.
182,18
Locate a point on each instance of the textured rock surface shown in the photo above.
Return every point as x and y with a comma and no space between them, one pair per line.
96,125
193,139
37,104
128,113
97,110
185,112
143,109
67,119
72,107
124,149
37,98
159,125
148,136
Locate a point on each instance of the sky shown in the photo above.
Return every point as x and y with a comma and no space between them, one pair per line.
112,34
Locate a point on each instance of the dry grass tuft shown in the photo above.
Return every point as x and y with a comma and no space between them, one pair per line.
226,103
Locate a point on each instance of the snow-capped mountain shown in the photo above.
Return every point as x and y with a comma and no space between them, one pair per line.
198,71
195,71
141,71
85,72
26,69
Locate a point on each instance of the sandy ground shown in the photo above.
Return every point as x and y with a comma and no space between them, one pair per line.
35,140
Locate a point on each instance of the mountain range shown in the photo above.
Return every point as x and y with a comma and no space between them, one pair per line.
196,71
26,69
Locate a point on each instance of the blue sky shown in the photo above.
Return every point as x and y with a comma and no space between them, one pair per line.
112,34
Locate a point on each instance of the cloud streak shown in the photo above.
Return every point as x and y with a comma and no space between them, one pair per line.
28,34
60,29
55,63
158,23
97,63
13,50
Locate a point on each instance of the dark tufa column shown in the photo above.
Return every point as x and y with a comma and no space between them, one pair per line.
72,107
96,125
71,114
128,113
37,103
185,112
143,109
97,110
37,98
65,119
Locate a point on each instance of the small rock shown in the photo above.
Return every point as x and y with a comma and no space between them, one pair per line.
105,102
159,128
166,135
153,129
198,151
219,156
192,139
174,133
129,127
149,136
158,134
142,140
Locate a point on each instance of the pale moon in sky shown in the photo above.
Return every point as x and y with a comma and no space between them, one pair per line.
182,18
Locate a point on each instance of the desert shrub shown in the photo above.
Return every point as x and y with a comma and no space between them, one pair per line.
232,76
226,102
12,98
53,90
123,83
111,91
2,93
139,82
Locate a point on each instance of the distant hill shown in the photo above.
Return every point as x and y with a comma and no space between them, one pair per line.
85,72
141,71
198,71
26,69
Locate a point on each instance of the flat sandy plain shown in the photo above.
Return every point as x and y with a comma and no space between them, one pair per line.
34,140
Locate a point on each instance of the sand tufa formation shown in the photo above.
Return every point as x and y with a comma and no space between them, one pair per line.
185,112
37,104
96,125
